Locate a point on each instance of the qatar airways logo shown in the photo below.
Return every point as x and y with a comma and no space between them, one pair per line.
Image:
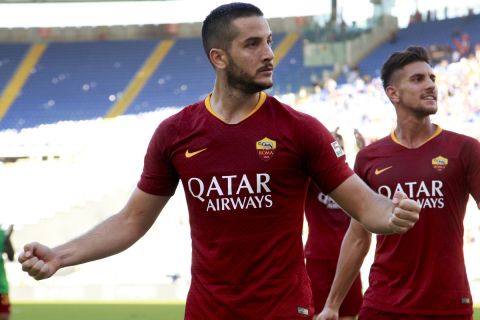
232,192
427,194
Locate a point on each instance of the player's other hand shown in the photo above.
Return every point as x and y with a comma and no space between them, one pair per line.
359,139
406,213
327,314
38,260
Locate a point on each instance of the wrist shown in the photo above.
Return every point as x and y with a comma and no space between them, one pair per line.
332,305
61,257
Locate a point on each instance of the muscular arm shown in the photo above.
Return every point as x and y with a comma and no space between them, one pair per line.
376,213
111,236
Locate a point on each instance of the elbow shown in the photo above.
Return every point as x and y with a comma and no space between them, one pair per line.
364,244
360,238
136,221
357,238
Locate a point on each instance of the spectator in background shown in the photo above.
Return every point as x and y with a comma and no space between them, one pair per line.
327,224
429,16
359,139
415,17
420,275
462,45
392,37
439,53
5,248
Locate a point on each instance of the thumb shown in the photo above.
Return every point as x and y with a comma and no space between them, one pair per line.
398,196
29,249
26,254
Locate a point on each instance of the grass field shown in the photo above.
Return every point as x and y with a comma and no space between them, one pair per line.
99,311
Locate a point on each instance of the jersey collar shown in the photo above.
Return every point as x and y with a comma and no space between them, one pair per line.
261,100
438,130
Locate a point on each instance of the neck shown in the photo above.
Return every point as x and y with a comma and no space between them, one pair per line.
414,133
232,106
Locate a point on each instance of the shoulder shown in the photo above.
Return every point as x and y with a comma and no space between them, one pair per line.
285,114
282,108
454,140
375,147
181,122
184,116
366,156
459,137
187,112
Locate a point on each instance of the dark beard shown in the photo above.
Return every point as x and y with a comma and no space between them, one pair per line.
423,112
238,79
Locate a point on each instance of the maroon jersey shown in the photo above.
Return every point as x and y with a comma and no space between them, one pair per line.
245,186
423,271
327,224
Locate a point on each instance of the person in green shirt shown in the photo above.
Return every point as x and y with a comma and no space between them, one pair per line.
5,247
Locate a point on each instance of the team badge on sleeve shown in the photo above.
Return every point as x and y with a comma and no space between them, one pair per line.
337,148
266,148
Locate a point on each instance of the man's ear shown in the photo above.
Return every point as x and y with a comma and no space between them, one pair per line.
218,58
392,93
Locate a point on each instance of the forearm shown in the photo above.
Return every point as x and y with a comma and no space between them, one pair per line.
376,217
375,212
372,210
355,246
115,234
112,236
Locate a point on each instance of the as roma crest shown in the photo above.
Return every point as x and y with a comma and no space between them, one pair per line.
266,148
439,163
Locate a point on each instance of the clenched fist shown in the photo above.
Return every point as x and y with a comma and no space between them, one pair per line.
39,261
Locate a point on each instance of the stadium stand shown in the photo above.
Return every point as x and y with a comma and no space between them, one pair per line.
428,34
76,81
85,80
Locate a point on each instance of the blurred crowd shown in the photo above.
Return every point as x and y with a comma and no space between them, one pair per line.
363,104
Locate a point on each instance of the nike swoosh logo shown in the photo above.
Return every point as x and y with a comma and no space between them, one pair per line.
379,171
189,154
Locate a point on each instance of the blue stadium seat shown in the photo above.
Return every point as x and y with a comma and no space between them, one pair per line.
10,57
75,81
424,34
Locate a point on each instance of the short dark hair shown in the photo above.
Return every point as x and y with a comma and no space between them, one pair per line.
216,29
400,59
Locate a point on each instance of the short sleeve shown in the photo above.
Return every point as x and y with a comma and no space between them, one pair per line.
325,159
159,176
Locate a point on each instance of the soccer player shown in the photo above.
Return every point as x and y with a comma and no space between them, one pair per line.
244,160
421,274
327,224
7,248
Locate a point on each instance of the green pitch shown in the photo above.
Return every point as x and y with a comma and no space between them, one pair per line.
97,311
106,311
